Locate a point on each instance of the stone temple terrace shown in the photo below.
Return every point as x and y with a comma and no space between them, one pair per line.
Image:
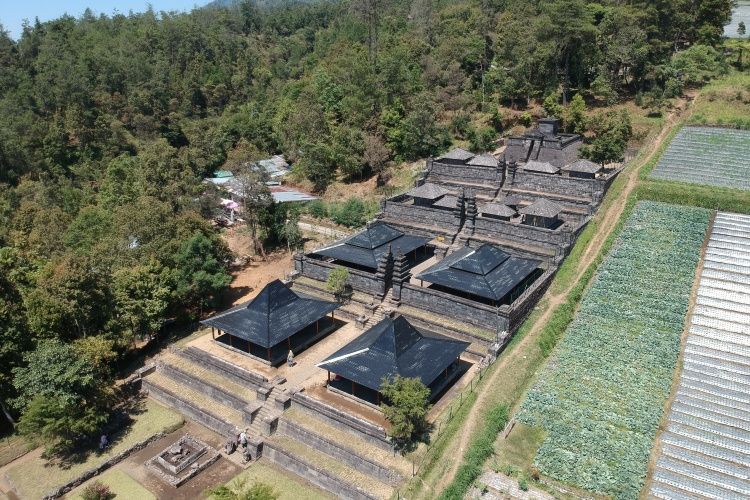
440,281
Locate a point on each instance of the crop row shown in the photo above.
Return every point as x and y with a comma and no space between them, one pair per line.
601,396
707,156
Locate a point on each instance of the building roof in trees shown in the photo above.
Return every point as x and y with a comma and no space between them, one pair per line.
447,201
394,347
486,272
484,160
274,315
496,209
543,167
458,154
428,191
542,208
583,166
365,248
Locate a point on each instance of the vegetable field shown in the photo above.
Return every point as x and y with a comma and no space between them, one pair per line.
601,395
706,155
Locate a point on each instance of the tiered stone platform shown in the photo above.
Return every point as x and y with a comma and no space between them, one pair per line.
330,440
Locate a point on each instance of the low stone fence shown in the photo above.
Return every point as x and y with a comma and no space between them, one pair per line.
95,471
371,433
318,477
353,459
203,417
481,315
359,280
236,374
209,389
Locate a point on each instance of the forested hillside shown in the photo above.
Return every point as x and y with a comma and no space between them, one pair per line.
108,124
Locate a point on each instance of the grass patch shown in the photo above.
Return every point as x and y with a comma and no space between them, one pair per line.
724,102
518,450
121,484
287,486
34,477
710,197
480,450
12,447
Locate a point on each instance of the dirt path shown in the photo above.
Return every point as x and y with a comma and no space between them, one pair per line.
607,221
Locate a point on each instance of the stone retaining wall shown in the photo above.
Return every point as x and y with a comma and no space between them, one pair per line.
590,189
234,373
524,234
201,416
217,393
466,173
524,304
354,460
371,433
359,280
318,477
439,302
423,216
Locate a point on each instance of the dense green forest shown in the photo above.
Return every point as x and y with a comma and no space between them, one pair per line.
108,125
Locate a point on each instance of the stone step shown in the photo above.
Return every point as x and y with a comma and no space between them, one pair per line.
344,477
349,440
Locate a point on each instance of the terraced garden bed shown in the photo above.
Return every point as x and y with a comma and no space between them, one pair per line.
601,397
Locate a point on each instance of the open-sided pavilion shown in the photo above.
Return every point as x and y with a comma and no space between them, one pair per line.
273,323
391,348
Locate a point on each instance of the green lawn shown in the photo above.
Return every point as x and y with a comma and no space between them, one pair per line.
34,477
122,485
287,486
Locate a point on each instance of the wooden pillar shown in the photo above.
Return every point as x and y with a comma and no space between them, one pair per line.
289,342
317,326
352,387
213,333
230,341
329,376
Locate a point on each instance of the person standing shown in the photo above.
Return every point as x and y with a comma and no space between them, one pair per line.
290,358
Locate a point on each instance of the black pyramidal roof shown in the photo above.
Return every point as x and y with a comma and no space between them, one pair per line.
274,315
365,248
486,272
394,347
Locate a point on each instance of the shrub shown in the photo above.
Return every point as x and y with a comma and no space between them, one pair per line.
523,484
97,491
338,283
406,408
317,209
352,213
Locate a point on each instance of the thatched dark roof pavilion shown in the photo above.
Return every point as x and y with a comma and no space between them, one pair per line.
390,348
363,250
486,273
542,213
274,322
